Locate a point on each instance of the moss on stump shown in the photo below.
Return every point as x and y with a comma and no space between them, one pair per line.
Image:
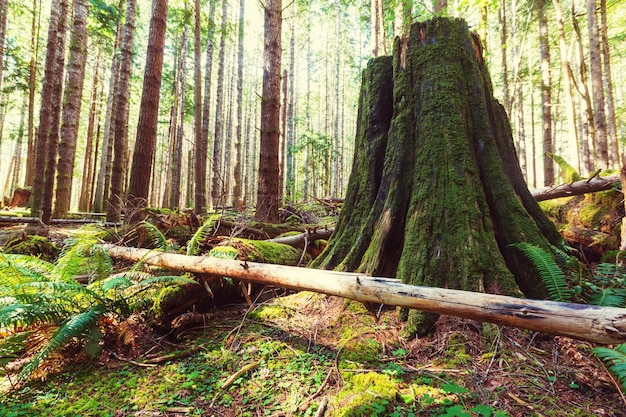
436,195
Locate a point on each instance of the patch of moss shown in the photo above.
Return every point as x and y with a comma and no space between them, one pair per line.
224,252
32,245
365,394
270,312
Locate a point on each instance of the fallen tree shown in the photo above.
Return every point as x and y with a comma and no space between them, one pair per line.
590,185
603,325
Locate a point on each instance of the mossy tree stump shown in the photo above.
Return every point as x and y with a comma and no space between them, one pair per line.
436,195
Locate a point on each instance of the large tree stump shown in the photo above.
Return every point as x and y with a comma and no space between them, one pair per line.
436,195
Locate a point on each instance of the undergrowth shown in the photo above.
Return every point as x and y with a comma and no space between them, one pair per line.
568,281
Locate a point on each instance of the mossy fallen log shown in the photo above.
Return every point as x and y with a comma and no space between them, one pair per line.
605,325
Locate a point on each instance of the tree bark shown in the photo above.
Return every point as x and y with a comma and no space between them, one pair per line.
118,172
200,146
145,142
55,117
237,172
268,191
435,163
217,190
597,89
41,143
605,325
546,94
72,103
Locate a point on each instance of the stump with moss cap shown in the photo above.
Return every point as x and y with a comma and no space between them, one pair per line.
436,195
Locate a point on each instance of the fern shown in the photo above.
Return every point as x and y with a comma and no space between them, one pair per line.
616,359
548,270
155,235
72,328
193,246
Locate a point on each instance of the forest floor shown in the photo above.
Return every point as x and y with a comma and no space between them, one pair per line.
296,354
307,354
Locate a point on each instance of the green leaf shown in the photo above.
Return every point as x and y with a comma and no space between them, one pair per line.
548,270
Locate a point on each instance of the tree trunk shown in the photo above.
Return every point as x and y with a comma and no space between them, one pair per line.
546,94
606,325
611,126
72,102
200,147
145,142
41,143
32,81
597,89
4,5
268,190
206,106
237,172
55,116
121,118
89,160
435,163
179,119
218,191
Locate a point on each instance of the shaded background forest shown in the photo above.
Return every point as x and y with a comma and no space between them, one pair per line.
560,82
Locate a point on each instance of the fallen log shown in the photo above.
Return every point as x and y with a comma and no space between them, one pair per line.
34,220
590,185
302,239
604,325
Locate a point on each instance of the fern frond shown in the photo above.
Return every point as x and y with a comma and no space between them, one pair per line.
193,246
609,297
616,359
28,315
72,328
548,270
155,235
101,263
15,269
116,282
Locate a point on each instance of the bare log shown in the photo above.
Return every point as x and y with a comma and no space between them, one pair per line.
591,185
605,325
299,240
34,220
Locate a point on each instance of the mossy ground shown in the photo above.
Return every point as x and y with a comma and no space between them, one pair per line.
306,349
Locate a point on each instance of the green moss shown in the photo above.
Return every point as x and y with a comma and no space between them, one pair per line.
224,252
365,394
33,245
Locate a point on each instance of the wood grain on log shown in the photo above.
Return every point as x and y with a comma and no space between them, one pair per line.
605,325
591,185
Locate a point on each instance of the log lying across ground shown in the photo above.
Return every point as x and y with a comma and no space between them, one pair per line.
591,185
604,325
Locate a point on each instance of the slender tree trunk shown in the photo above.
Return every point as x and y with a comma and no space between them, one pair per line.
118,172
145,143
589,141
4,4
402,14
89,162
32,75
268,188
307,105
597,89
55,116
71,108
546,94
106,156
567,75
200,147
41,145
237,172
177,154
290,177
283,131
217,192
502,19
336,152
206,106
613,142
